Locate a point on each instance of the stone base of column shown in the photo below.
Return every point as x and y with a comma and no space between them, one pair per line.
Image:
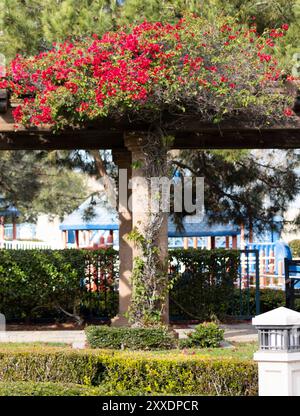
119,320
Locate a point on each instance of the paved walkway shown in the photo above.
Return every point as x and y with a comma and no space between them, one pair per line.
64,336
238,332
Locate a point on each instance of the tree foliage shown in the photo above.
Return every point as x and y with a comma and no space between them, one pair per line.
245,187
31,183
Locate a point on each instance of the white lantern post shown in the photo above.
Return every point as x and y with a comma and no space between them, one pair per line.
279,352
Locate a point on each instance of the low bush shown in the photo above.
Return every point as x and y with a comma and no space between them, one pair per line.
126,372
206,335
130,338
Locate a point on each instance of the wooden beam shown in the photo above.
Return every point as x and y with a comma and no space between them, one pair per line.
100,139
273,138
191,134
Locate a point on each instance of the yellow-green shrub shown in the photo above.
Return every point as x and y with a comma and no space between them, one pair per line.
126,372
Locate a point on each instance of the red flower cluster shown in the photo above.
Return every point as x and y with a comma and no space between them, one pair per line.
146,68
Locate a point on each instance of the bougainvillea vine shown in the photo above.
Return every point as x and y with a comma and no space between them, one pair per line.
153,69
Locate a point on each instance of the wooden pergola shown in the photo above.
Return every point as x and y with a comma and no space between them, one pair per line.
124,140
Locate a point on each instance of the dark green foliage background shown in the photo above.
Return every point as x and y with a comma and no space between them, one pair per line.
33,283
204,282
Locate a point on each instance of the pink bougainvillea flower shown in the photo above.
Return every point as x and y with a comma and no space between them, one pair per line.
288,112
17,114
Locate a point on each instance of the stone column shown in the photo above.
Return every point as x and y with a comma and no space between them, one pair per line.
234,242
122,158
140,208
227,241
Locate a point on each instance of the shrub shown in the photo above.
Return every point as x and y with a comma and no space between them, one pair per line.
204,282
131,338
206,335
48,283
132,371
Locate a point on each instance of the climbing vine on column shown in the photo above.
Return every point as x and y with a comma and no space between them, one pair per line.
149,276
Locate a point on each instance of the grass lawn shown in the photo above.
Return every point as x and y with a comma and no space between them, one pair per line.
239,350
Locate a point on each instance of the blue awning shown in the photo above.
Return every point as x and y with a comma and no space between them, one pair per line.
106,218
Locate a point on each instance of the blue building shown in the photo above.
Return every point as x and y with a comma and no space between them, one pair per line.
82,229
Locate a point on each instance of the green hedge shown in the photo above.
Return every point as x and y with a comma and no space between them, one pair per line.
43,283
37,284
130,338
122,372
204,282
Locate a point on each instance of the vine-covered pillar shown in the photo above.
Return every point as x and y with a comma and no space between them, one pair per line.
150,240
122,159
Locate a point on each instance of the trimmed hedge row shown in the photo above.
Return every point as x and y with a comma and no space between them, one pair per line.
41,284
44,283
121,372
131,338
38,284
